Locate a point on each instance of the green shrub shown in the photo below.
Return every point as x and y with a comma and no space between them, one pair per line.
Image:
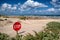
17,37
28,37
54,26
42,36
4,36
23,18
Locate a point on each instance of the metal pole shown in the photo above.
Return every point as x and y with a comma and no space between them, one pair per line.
18,37
17,32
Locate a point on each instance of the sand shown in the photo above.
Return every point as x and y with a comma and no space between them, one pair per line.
28,26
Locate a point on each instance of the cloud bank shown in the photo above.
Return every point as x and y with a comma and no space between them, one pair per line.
27,5
31,6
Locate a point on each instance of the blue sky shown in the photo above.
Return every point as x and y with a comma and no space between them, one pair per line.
21,1
48,7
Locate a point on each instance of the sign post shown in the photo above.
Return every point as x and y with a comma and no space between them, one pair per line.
17,26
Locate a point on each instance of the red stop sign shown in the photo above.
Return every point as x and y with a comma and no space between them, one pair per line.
17,26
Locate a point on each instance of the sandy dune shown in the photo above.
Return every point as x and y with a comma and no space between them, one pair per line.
27,26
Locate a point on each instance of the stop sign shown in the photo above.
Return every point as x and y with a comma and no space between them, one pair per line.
17,26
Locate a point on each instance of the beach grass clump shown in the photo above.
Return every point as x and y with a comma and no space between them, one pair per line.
54,27
42,36
4,36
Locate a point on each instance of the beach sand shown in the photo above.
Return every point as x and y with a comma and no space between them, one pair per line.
28,26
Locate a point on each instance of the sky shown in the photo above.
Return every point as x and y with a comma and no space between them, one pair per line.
42,7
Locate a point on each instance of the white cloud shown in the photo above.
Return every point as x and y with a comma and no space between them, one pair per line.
34,4
51,9
55,3
54,0
8,7
31,4
59,9
14,8
5,5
